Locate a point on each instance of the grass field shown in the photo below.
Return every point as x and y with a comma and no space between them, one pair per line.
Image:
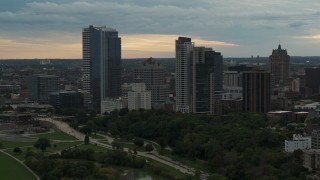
56,136
93,147
96,136
11,169
12,144
62,146
194,163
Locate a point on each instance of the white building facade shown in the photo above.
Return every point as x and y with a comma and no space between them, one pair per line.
139,98
109,105
298,142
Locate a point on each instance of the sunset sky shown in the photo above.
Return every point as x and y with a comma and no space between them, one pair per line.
237,28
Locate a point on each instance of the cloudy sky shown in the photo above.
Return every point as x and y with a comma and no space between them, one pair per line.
237,28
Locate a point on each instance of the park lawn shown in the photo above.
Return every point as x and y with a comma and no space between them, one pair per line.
194,163
62,146
172,171
133,146
104,142
13,144
56,136
96,148
96,136
20,156
11,169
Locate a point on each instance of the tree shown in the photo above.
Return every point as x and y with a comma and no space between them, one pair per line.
86,140
42,143
149,147
116,145
17,150
138,142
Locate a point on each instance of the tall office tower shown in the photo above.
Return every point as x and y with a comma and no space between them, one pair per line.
152,73
101,63
40,86
256,91
279,64
184,48
216,60
312,81
139,98
205,78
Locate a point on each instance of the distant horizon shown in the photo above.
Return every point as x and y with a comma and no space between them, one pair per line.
249,57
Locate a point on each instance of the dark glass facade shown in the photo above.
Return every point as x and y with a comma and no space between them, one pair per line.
105,64
40,86
256,91
66,99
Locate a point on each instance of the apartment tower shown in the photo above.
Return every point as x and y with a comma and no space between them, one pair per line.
101,63
184,47
152,73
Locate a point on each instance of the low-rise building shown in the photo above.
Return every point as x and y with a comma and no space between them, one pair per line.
109,105
17,118
298,142
307,107
315,139
139,98
311,159
66,99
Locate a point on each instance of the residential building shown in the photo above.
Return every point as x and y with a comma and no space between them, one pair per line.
256,91
295,85
184,47
40,86
279,67
231,79
298,142
232,84
152,73
315,139
139,98
311,159
101,69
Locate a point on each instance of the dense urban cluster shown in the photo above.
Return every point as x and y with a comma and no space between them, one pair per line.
200,115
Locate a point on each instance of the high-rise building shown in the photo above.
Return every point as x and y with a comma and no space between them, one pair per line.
199,75
40,86
139,98
256,91
204,79
184,47
231,79
279,67
312,81
152,73
101,63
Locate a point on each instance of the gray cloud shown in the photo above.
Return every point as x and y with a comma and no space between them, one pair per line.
249,23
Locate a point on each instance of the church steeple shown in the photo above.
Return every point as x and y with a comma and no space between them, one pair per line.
279,47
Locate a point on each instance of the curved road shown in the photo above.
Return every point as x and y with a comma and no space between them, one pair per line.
154,156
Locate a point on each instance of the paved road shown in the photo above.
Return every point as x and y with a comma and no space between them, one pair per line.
36,176
154,156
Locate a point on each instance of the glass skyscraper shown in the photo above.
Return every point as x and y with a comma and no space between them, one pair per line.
101,63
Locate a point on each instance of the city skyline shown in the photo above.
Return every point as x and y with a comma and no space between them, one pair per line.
50,29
